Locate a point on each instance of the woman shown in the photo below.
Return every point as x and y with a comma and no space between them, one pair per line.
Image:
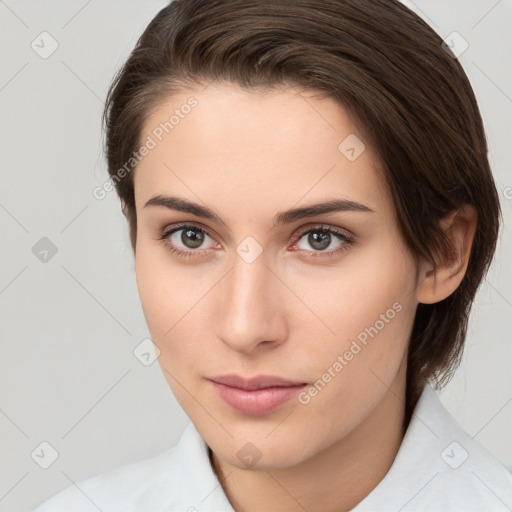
312,211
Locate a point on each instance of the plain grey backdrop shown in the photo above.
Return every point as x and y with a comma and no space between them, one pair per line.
75,400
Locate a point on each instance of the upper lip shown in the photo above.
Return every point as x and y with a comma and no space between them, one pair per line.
257,382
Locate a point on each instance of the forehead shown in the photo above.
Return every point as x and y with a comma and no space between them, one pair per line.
261,149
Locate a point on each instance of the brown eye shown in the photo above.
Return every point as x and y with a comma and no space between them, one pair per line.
319,239
186,240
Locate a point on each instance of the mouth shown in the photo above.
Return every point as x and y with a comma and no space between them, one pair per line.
257,382
257,396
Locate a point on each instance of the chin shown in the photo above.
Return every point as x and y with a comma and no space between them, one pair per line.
261,455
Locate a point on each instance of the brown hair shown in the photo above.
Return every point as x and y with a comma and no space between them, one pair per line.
407,93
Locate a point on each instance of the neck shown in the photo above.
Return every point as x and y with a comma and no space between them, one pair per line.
334,480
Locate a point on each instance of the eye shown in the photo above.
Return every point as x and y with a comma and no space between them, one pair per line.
186,240
321,238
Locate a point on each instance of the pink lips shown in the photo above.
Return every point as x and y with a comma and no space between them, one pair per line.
257,395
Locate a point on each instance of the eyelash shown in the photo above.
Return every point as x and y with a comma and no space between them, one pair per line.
346,238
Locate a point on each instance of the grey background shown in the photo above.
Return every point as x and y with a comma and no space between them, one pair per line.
70,324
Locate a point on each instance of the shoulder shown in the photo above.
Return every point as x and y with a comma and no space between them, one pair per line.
439,466
471,478
139,486
467,473
180,478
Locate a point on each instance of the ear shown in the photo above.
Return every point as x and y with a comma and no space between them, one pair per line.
436,282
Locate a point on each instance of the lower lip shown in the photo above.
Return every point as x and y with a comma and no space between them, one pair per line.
258,401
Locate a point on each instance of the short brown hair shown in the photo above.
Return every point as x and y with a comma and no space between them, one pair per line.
406,91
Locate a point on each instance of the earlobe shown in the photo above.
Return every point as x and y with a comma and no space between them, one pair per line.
436,282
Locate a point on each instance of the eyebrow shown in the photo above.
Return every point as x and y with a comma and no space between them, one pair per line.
281,218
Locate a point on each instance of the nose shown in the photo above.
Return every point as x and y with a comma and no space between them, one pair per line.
251,306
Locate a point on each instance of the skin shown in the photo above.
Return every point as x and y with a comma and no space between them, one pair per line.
248,156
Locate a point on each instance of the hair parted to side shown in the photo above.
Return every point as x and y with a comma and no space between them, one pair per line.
410,99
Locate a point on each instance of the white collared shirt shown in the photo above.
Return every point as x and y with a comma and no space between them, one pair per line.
438,468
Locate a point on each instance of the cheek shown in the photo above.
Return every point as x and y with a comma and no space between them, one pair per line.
364,311
162,291
165,298
153,286
172,299
350,296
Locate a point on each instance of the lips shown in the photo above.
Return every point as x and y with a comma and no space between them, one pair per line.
257,396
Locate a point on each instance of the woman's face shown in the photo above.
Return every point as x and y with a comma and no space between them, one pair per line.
253,290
